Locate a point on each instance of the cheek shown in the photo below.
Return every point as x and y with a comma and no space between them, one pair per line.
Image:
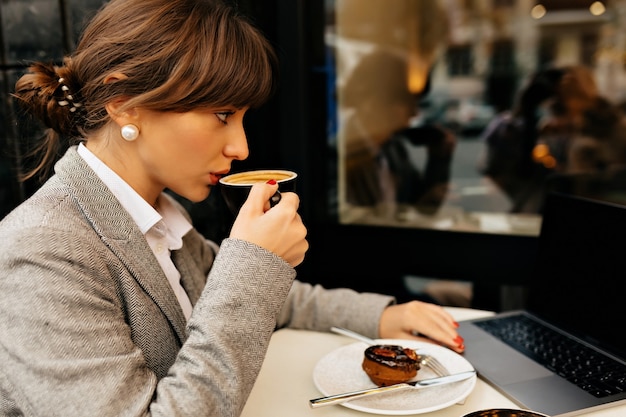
201,149
194,141
184,142
200,145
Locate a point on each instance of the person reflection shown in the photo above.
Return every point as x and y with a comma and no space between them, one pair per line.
562,127
510,139
586,133
380,169
584,130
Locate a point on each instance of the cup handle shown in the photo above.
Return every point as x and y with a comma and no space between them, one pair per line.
275,199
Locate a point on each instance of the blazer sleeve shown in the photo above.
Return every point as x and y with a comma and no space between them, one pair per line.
229,332
314,307
69,330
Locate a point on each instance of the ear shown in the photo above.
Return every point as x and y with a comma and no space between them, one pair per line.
121,118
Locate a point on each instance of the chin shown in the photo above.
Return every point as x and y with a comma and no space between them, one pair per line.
199,196
195,195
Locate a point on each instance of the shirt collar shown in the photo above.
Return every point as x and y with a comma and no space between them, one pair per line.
141,212
176,223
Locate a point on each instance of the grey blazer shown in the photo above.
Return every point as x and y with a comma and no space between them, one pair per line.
89,325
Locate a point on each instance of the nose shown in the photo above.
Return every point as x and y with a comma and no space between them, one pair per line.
237,144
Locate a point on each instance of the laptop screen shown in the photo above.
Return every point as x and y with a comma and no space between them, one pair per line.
580,270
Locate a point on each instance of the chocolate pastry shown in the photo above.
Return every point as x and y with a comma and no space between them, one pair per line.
390,364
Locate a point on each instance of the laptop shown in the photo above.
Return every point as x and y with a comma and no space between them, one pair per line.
578,292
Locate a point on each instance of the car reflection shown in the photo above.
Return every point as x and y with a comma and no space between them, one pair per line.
464,116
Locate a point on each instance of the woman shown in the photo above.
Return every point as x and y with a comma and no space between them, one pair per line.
113,304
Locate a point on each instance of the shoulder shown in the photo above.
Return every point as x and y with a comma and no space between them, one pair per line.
41,208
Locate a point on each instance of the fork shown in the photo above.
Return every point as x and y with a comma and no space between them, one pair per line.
434,364
426,360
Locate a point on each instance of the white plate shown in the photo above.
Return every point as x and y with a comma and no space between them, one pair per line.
340,371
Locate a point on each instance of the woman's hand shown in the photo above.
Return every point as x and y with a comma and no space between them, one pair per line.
418,320
278,229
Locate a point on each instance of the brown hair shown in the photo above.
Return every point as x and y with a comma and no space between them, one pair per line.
176,55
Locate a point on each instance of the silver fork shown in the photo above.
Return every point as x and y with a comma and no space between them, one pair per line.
427,360
434,364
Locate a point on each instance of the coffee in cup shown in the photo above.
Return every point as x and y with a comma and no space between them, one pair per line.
236,187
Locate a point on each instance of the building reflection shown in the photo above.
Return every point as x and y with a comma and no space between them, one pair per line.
478,57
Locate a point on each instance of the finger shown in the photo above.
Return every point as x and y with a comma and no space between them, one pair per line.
259,197
287,200
274,199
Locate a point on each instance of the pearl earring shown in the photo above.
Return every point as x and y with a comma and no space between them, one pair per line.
130,132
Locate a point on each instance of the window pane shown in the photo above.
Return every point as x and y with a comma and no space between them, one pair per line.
32,30
404,69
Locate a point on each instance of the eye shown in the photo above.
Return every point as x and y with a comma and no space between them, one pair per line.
223,116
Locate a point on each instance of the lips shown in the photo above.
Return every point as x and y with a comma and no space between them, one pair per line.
215,176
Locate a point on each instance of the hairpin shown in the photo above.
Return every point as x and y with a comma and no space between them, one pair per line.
69,99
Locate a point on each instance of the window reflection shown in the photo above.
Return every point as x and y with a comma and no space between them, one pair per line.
423,87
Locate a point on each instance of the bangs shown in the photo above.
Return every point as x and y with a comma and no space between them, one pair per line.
202,55
231,64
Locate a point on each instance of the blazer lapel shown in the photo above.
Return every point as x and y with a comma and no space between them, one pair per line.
188,269
120,233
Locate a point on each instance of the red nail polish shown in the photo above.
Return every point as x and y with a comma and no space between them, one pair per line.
462,346
458,340
455,324
271,182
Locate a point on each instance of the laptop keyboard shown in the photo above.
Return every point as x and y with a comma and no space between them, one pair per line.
597,374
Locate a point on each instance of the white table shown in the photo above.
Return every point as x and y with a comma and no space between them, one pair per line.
285,384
